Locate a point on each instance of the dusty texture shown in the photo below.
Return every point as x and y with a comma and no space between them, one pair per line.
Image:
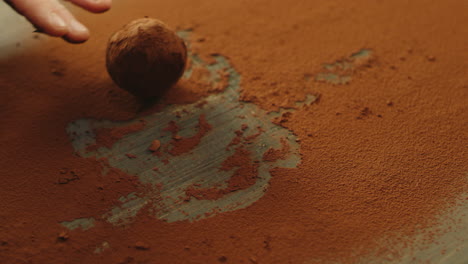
382,156
145,57
107,137
180,145
244,176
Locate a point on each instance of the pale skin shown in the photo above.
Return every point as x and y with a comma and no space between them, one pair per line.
54,19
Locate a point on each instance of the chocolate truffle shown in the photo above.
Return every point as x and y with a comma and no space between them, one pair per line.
145,57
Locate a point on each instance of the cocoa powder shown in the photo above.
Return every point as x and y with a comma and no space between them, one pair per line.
360,181
180,145
107,137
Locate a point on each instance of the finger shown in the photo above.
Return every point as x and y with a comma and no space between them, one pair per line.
95,6
43,14
77,32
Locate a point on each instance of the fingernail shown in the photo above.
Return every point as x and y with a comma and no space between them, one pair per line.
77,26
56,21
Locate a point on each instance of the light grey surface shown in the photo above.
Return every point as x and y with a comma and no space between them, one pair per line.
15,29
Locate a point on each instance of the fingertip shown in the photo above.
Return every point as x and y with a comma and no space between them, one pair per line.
95,6
74,40
55,26
77,32
102,5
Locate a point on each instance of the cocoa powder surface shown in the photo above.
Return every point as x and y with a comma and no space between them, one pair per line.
370,171
107,137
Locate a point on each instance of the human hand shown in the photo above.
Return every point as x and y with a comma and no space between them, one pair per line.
54,19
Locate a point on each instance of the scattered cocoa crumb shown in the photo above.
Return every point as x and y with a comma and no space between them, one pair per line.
155,145
253,260
431,58
365,112
142,245
63,181
72,176
57,72
130,156
63,236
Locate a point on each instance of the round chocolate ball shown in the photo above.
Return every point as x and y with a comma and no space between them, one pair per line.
145,57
